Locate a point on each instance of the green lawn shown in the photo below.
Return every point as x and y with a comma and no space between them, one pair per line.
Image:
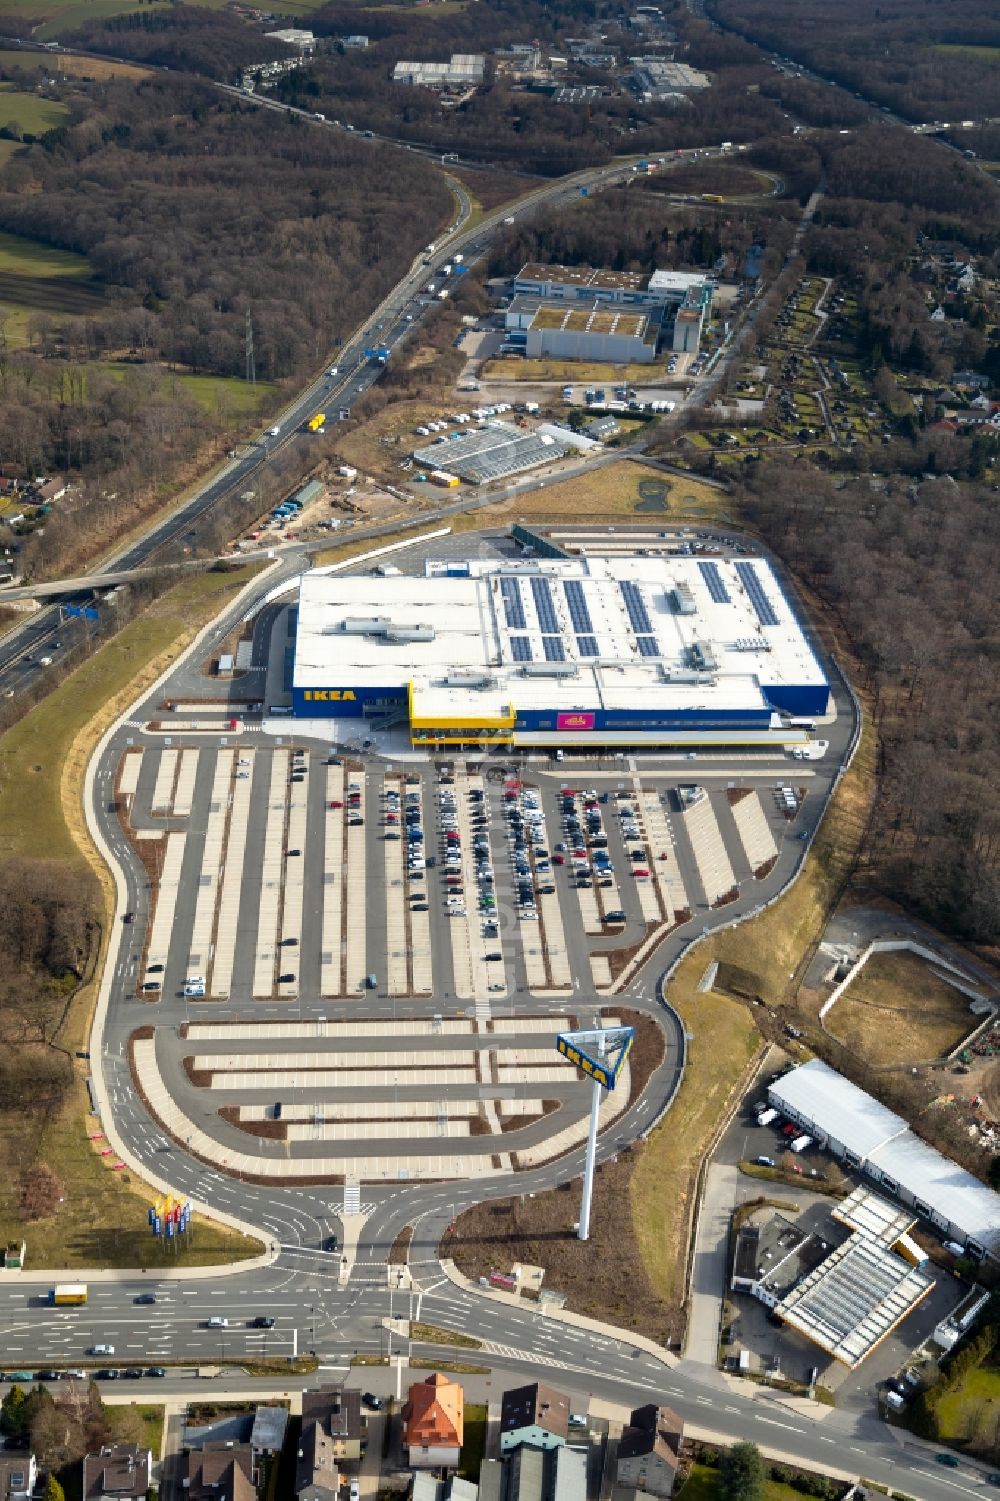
101,1219
981,53
474,1444
32,114
37,278
703,1484
228,396
973,1404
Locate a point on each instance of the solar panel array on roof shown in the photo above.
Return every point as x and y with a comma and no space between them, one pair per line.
755,589
512,603
716,587
579,612
544,606
587,646
648,646
521,648
636,607
554,649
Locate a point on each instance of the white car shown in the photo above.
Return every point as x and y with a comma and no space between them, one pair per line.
274,432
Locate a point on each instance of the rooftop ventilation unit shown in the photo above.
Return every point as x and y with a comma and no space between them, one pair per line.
702,656
682,599
381,625
468,677
550,670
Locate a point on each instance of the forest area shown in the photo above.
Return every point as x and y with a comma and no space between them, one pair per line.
909,569
196,210
925,60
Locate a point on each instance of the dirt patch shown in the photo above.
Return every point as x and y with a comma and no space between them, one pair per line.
399,1255
736,795
602,1277
270,1130
765,870
900,1011
201,1078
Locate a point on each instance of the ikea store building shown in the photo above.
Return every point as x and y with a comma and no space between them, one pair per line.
579,652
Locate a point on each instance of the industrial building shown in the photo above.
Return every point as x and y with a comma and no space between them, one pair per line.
656,78
585,652
490,451
564,311
465,70
610,334
874,1140
843,1292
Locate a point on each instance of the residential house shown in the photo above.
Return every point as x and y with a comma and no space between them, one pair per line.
117,1472
433,1423
649,1450
18,1473
221,1471
50,490
331,1436
535,1414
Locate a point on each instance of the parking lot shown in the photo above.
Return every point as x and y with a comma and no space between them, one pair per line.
317,893
283,873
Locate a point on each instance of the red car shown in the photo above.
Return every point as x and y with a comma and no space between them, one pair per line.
335,804
640,871
789,1129
558,859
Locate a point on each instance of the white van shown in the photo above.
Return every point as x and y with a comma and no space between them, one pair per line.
800,1143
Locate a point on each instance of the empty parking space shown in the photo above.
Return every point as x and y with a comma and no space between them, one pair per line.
232,880
163,788
396,935
332,935
279,1031
356,954
211,861
710,857
369,1110
753,828
328,1058
187,775
167,887
293,888
339,1078
324,1130
272,871
128,775
666,871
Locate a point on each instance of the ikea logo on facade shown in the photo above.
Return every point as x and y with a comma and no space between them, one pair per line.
329,695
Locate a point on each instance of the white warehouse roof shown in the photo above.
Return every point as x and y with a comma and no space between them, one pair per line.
887,1148
838,1108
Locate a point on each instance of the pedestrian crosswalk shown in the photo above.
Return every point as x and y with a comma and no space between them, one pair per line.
352,1196
511,1352
483,1012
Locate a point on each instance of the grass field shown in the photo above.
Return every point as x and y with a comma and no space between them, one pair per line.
227,396
102,1216
65,64
626,489
971,1410
37,278
574,372
55,17
961,49
32,114
705,1484
900,1010
474,1442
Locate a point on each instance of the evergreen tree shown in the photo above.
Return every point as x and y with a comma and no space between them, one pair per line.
742,1473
